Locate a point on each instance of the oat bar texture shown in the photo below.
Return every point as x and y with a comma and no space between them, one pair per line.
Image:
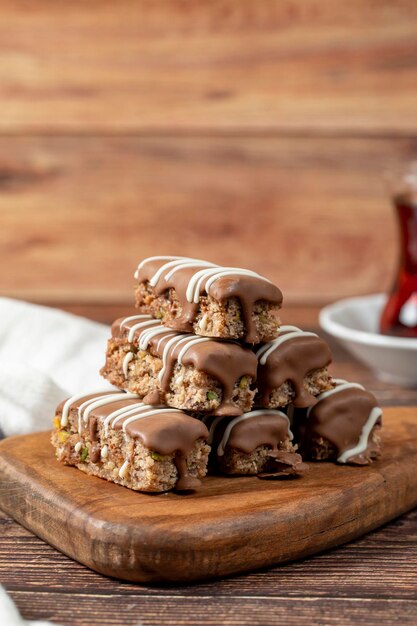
342,426
117,437
256,443
195,296
184,371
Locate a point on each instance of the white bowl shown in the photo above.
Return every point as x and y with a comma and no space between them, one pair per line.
354,322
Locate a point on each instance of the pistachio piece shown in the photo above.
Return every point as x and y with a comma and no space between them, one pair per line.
157,457
63,436
244,382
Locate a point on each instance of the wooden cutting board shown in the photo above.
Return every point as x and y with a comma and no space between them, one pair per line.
232,525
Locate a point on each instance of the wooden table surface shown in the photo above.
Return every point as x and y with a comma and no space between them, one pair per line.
370,581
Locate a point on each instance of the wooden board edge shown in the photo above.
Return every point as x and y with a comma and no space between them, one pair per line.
395,485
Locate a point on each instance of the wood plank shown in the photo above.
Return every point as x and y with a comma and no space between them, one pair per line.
231,525
78,213
372,563
185,66
92,610
79,610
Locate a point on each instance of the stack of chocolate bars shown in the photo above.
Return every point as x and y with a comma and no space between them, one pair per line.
208,380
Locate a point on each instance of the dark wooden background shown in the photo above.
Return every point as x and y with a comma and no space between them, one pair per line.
253,133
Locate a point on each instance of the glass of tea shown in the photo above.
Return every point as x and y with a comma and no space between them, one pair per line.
399,316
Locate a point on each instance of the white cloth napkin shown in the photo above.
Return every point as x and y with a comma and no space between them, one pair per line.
9,615
46,355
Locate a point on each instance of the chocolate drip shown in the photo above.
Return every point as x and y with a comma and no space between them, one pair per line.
226,361
92,428
291,361
185,481
95,453
95,447
339,418
167,433
78,402
247,289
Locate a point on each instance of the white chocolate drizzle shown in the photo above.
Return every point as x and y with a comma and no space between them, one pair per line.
66,408
170,345
339,387
135,317
192,341
362,444
83,406
123,471
180,263
106,400
169,336
146,413
374,415
147,336
202,324
174,342
133,412
132,408
137,326
90,404
191,263
154,258
290,332
209,276
129,356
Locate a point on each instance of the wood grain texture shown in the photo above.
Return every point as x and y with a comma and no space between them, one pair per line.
215,611
78,213
231,525
380,565
181,65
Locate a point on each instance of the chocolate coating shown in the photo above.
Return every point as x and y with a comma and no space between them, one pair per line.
340,419
254,429
260,430
247,289
291,361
